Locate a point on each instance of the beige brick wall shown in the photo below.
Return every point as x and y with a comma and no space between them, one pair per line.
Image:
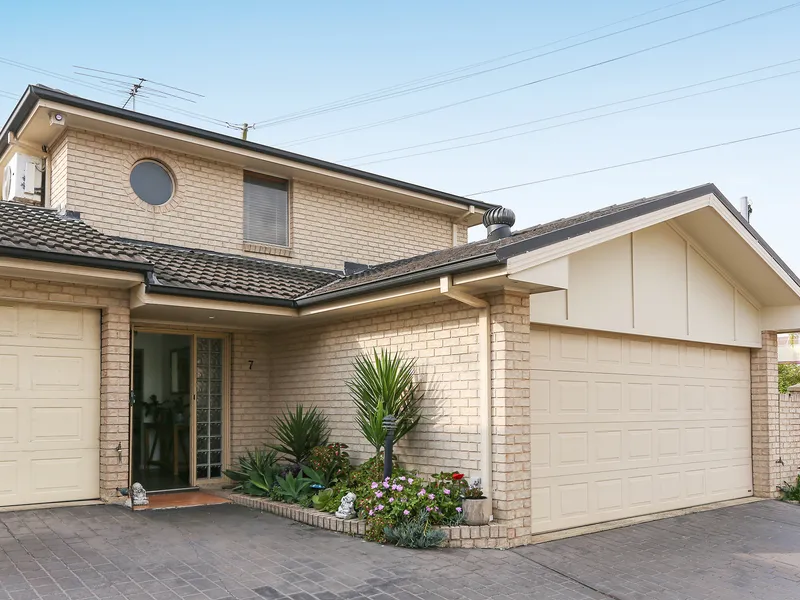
312,365
511,330
114,365
58,173
328,226
789,437
249,392
766,423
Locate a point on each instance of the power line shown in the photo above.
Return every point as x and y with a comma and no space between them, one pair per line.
600,116
635,162
403,92
107,90
480,63
537,81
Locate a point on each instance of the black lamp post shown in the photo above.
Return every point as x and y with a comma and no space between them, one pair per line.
389,423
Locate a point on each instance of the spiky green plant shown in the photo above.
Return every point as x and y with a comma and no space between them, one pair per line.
299,432
383,384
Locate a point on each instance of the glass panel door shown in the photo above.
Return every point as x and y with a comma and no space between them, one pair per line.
209,406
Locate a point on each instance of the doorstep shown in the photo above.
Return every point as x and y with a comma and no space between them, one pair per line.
167,500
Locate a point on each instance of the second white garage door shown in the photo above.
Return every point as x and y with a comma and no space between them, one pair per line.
624,426
49,404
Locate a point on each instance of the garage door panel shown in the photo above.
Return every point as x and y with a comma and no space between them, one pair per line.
48,372
583,499
571,396
49,404
624,426
601,447
566,350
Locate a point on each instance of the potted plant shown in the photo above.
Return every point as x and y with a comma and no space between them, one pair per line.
477,507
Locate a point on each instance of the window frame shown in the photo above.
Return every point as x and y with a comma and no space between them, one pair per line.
167,170
266,247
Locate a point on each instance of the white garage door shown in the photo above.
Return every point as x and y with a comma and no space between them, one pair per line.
49,404
624,426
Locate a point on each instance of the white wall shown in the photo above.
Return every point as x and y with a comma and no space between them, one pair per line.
653,282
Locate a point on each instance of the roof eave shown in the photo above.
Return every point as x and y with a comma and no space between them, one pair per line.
77,260
151,288
472,264
34,94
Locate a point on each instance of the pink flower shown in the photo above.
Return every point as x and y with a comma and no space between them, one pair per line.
374,485
386,484
379,494
402,477
394,486
410,481
421,493
399,488
446,491
429,509
406,513
458,509
379,507
391,499
431,496
372,512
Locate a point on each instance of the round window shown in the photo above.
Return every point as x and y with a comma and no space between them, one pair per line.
151,181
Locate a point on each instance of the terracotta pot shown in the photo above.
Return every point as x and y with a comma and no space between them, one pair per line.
476,511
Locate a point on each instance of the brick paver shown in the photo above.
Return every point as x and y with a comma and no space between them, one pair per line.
746,551
228,551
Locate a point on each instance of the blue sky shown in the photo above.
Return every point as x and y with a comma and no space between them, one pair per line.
258,60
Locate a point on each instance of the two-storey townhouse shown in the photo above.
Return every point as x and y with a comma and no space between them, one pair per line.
166,291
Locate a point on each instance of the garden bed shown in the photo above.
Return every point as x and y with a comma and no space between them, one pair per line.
462,536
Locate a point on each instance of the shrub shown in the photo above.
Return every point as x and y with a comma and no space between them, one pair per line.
299,432
257,471
323,499
791,491
397,500
383,384
788,375
414,533
331,460
293,489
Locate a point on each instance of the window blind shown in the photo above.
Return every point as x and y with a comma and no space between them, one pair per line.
266,211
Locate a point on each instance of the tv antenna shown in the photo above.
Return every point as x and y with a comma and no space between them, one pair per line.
136,87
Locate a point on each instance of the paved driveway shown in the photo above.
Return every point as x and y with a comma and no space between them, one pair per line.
220,552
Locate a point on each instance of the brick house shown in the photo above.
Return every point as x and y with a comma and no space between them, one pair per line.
166,291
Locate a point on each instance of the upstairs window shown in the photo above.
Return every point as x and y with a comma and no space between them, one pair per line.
266,210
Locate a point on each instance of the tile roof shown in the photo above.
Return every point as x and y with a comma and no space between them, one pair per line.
473,250
31,230
186,270
208,271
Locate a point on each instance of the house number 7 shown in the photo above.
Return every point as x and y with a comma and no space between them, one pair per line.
251,364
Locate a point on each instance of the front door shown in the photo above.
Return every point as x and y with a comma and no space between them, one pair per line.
162,410
179,413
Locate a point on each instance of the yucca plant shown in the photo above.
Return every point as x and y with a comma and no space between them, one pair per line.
299,432
383,384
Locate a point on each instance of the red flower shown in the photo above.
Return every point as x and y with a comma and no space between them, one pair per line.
457,476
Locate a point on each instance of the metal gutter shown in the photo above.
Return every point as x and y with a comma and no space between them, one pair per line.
472,264
221,296
80,261
34,93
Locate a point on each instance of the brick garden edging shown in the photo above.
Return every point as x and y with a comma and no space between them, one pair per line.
464,536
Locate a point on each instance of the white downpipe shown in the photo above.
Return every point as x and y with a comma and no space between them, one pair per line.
484,377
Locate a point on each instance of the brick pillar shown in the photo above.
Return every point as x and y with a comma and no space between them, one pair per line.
115,361
766,412
510,327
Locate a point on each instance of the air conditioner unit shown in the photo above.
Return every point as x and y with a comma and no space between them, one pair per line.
22,179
